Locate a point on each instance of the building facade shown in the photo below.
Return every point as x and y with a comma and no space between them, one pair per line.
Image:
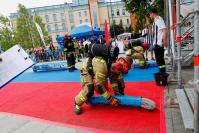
62,18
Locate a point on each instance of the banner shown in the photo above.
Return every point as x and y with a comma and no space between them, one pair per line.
40,33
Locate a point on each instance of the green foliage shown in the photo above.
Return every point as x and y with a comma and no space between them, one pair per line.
118,29
6,33
159,4
140,9
26,31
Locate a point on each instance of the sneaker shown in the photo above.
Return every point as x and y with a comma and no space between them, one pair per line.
77,109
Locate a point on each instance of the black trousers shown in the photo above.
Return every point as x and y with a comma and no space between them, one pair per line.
71,60
159,56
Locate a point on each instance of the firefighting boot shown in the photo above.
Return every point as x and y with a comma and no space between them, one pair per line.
77,109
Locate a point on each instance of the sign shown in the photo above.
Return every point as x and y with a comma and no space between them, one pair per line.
14,61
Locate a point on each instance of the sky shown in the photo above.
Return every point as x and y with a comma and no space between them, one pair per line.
10,6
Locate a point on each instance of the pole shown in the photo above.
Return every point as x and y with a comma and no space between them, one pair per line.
89,9
108,16
172,40
196,67
178,40
112,18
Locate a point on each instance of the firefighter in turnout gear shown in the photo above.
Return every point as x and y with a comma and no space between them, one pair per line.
69,51
77,49
136,51
102,58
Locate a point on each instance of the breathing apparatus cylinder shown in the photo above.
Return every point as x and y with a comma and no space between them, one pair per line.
106,51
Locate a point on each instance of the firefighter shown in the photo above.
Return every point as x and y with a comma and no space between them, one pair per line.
101,61
77,49
136,51
69,52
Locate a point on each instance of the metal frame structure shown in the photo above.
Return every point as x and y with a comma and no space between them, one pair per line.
177,56
196,66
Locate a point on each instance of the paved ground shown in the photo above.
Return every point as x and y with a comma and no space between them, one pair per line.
173,114
16,124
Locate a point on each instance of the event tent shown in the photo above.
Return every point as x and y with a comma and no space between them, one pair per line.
85,30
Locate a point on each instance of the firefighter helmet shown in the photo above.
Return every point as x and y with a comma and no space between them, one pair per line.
126,63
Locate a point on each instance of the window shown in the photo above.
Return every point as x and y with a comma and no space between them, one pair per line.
56,27
127,21
121,23
79,14
86,20
47,18
114,22
63,26
71,17
95,17
123,12
62,17
80,21
85,13
49,28
112,12
54,17
118,12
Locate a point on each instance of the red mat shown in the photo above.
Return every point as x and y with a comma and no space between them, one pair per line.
54,102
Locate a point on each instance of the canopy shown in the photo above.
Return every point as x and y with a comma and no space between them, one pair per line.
85,30
82,30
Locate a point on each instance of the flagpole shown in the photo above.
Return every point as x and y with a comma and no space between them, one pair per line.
89,9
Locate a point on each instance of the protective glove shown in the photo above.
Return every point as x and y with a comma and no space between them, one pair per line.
90,70
113,102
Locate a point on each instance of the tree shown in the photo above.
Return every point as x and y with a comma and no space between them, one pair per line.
117,28
26,31
140,9
6,33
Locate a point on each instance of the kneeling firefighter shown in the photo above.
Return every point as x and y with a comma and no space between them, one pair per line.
120,67
136,51
101,60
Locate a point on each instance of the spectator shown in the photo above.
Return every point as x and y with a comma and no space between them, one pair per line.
159,38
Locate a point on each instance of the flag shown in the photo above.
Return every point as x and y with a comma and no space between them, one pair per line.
40,33
107,36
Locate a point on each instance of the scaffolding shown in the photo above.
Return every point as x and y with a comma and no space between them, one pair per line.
178,57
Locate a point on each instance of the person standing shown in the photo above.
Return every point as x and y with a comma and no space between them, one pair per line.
145,34
159,38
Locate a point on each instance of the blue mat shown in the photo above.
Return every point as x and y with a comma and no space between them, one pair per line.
134,75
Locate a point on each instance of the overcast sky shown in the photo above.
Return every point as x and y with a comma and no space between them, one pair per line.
10,6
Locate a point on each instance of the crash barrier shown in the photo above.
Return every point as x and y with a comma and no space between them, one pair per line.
161,78
50,66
